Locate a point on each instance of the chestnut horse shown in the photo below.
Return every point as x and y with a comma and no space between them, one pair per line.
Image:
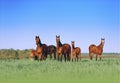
33,54
62,49
41,49
51,50
76,52
98,50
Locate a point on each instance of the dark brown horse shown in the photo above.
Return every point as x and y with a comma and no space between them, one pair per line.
98,50
51,50
41,49
76,52
63,49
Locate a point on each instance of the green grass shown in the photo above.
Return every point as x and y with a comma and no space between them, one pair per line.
51,71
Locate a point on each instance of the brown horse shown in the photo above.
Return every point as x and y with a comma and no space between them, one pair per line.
41,49
98,50
51,50
62,49
33,54
76,52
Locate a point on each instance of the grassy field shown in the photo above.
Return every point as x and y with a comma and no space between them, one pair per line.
51,71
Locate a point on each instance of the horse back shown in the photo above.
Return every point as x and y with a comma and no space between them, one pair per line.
94,49
78,50
44,47
66,48
51,48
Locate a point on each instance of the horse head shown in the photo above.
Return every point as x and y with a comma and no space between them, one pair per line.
37,39
57,39
72,43
103,41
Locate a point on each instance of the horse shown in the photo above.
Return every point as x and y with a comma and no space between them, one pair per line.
33,54
41,49
98,50
76,52
62,49
51,50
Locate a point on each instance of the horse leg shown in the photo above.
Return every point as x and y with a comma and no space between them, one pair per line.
50,56
61,57
72,58
77,57
91,56
58,57
100,57
31,57
35,57
45,54
65,57
54,56
39,56
96,57
68,56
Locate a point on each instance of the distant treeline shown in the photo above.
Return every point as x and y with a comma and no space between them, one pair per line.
14,54
24,54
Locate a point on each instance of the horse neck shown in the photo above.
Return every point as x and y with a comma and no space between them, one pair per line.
39,44
73,46
59,44
100,46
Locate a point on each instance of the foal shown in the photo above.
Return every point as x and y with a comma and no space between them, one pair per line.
76,52
33,54
98,50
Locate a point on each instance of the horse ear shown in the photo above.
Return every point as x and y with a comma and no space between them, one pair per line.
59,36
102,38
72,41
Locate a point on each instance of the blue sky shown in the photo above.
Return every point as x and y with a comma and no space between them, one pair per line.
82,21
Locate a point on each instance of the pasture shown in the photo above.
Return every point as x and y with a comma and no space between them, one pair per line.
53,71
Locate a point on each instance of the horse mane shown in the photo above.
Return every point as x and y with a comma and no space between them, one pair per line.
73,46
39,44
60,44
100,46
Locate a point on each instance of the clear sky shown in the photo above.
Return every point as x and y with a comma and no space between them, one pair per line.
82,21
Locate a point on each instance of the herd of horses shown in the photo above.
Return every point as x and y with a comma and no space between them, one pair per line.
69,52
